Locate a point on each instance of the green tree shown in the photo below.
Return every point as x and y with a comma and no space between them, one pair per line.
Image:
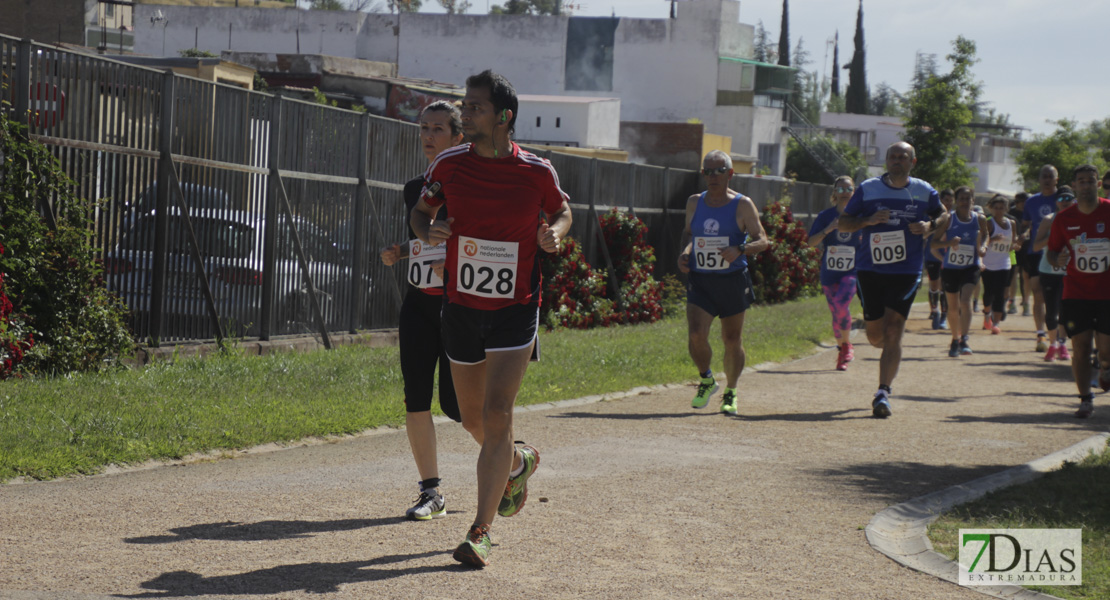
401,6
1099,136
455,7
196,53
802,166
764,52
525,7
937,118
1065,148
886,101
835,92
855,99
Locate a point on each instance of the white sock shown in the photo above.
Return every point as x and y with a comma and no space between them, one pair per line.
518,470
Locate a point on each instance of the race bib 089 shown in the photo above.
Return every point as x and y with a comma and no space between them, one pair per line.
487,268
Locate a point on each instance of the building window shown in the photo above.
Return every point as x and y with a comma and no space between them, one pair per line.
589,54
557,122
537,121
769,157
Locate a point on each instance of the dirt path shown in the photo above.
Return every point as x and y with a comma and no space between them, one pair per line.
635,498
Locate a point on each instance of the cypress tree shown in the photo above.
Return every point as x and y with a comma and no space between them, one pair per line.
855,100
784,35
835,91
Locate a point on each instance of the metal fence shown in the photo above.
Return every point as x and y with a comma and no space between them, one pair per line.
219,211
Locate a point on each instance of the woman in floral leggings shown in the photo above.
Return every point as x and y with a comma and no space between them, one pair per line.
838,266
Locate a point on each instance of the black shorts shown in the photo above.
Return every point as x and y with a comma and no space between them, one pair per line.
952,280
1020,259
722,295
468,333
994,289
880,291
1080,316
933,269
1032,265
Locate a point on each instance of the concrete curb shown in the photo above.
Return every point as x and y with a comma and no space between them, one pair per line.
900,531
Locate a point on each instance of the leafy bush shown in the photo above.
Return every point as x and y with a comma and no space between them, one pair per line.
641,296
573,293
50,272
789,269
15,340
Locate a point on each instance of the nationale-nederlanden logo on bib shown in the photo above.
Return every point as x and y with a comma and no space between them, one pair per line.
1021,557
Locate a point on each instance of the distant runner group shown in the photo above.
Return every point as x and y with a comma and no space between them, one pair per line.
485,210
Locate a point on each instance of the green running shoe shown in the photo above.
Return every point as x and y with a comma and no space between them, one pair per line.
516,490
474,550
728,402
706,388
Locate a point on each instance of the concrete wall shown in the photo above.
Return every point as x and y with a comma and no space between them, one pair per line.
593,124
46,21
675,145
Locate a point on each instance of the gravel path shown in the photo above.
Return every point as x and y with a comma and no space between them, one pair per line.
639,497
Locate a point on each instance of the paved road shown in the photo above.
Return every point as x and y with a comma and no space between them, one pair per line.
638,497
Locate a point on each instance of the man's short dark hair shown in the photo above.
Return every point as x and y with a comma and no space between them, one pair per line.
1021,197
947,192
1087,168
501,93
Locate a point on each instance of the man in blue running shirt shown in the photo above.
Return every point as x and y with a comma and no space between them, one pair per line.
895,212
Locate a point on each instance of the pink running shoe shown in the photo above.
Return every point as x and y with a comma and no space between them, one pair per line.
851,354
1062,352
841,358
995,330
1051,354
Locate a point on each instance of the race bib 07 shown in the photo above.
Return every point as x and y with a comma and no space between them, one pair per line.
421,257
888,247
707,252
487,268
840,258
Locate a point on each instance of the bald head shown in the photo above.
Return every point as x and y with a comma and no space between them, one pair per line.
900,159
902,147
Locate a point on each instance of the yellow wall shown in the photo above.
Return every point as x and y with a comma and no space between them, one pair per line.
711,141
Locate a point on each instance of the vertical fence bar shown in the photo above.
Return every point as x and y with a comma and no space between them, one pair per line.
269,238
23,82
165,173
359,233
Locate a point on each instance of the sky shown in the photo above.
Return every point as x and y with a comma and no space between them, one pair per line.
1037,58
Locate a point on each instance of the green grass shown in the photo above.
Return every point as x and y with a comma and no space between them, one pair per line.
78,425
1074,497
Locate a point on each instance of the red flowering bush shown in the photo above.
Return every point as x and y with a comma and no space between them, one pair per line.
789,269
641,297
15,340
573,293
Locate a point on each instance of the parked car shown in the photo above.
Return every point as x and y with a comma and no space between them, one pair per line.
231,245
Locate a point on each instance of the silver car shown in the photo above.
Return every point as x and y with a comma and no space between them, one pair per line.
231,244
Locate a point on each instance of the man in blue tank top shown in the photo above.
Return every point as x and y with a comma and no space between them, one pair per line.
722,230
895,212
1037,207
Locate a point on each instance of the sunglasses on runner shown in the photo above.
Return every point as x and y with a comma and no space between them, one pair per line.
1065,198
843,190
716,171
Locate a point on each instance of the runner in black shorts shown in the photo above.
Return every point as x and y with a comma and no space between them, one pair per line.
722,231
506,206
938,302
964,234
419,327
895,212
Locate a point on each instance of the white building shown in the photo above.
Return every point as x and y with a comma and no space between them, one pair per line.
695,68
991,153
569,121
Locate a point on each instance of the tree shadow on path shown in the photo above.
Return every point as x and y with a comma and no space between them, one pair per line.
895,482
313,578
263,530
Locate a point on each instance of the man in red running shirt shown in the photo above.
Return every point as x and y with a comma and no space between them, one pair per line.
1080,240
505,205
